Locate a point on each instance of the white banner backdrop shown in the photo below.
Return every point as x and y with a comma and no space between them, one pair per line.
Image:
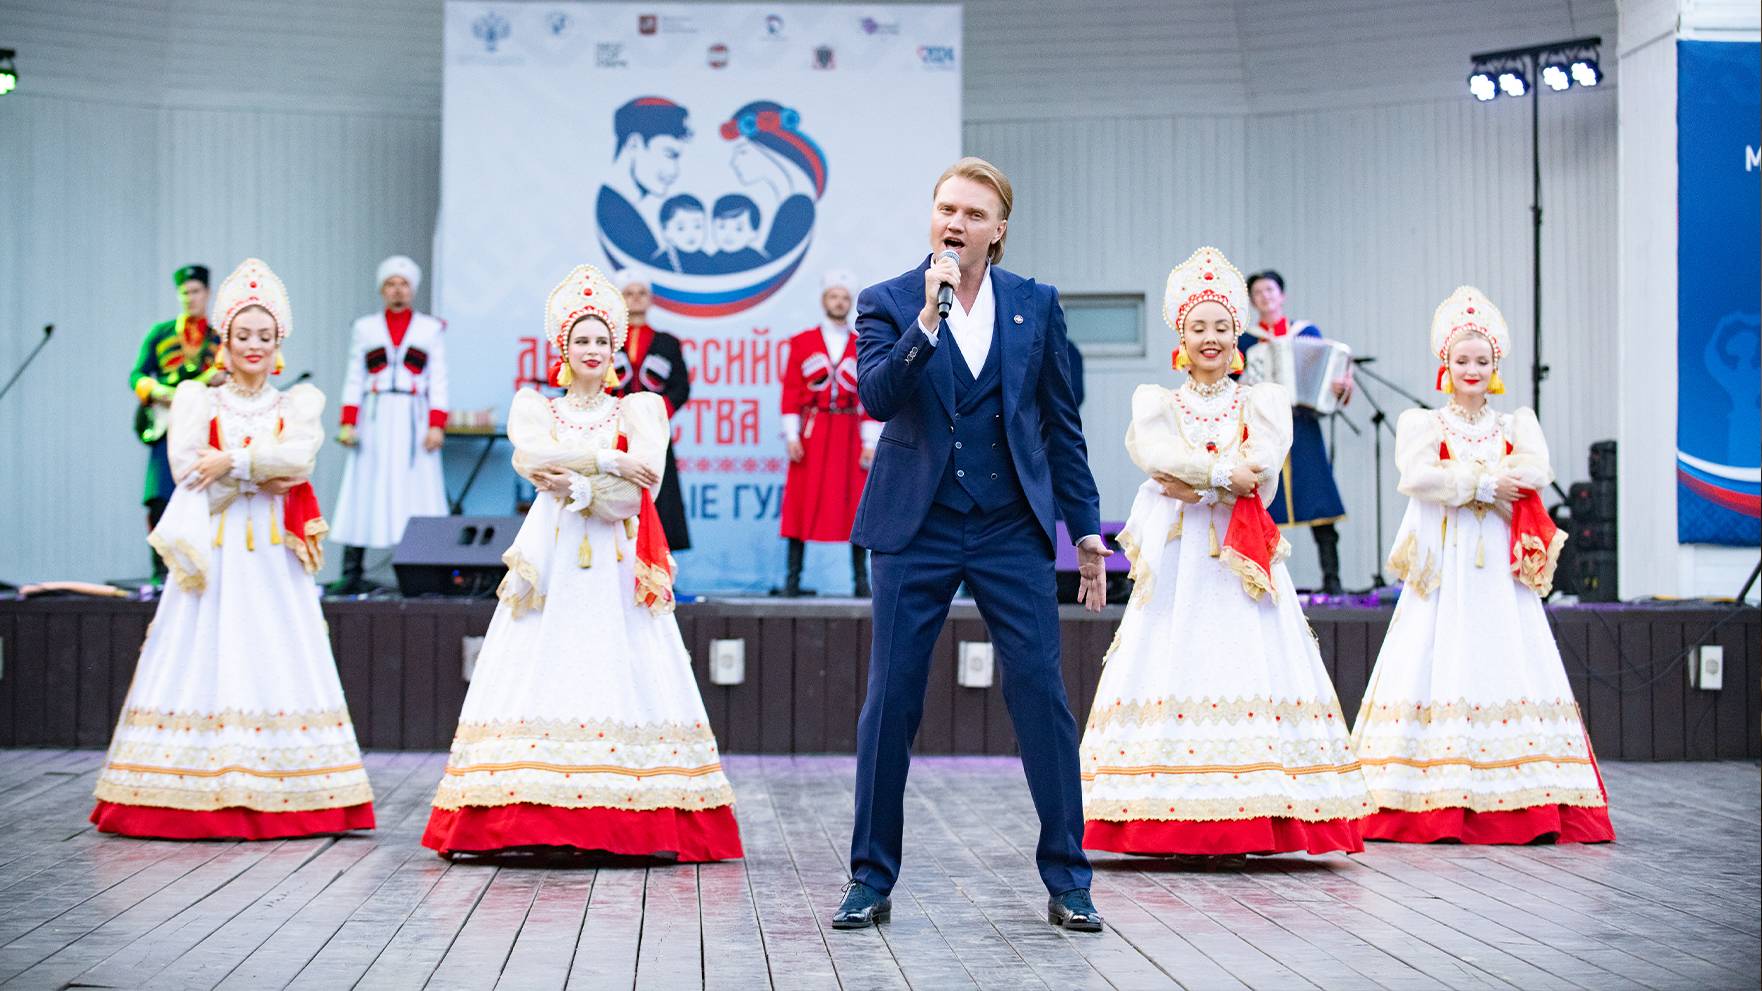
731,153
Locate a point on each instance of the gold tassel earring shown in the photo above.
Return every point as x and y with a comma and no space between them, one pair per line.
565,375
1236,362
611,377
280,362
1495,385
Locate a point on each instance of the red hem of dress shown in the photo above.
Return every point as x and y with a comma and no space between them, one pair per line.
1561,823
690,835
1267,834
232,823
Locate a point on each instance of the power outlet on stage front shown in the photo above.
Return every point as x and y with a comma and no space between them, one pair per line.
727,662
974,669
1707,668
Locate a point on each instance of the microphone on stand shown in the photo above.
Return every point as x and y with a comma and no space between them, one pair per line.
945,295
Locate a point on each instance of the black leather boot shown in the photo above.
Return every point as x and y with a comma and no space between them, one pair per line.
354,580
792,580
1327,552
859,569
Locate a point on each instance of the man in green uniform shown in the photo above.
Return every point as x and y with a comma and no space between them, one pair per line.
172,352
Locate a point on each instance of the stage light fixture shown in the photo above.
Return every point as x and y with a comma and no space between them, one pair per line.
8,73
1517,72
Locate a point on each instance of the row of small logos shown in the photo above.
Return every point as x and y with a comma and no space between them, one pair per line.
610,55
491,29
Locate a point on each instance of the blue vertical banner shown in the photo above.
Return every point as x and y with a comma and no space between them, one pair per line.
1719,292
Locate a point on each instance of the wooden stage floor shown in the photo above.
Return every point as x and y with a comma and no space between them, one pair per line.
1673,904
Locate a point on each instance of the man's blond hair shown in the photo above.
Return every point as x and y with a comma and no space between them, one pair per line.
980,171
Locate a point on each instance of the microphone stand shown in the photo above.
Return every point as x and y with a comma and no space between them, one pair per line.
1379,421
48,329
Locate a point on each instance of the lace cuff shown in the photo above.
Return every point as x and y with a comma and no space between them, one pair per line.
580,493
1220,472
1483,489
241,464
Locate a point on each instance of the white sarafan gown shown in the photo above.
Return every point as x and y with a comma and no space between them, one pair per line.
235,724
1215,728
583,726
1469,729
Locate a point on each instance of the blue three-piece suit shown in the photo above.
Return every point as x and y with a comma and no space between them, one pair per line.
968,476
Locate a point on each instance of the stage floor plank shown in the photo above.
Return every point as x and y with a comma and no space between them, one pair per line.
1676,903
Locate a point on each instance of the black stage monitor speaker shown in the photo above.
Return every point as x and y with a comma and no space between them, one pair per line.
453,555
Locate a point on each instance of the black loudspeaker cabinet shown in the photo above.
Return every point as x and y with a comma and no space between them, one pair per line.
1603,461
1592,535
1592,500
453,555
1594,572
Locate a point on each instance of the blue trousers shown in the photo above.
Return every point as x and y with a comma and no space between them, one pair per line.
1004,560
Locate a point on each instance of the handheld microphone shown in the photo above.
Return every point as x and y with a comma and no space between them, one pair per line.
945,295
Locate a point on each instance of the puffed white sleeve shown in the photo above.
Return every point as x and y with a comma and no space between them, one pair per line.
643,420
186,439
1528,460
1267,415
1424,474
532,432
293,451
1155,443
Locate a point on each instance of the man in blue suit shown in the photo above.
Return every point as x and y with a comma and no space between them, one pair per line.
982,449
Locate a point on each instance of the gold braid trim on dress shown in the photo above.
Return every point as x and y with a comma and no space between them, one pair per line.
1180,711
583,731
1480,801
238,719
491,790
520,570
1254,581
301,790
1477,714
1224,809
1424,580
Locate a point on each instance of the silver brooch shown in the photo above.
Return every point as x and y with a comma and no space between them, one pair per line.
1018,318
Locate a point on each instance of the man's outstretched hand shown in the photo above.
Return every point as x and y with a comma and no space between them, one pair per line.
1091,575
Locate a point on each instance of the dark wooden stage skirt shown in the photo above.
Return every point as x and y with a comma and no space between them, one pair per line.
65,665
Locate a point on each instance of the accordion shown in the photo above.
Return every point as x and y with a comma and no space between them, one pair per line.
1307,367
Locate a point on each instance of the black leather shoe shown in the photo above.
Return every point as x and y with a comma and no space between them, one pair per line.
1074,910
862,907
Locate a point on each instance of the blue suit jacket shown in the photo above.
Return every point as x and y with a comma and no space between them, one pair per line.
908,383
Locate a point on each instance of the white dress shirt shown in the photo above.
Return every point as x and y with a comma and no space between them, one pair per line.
972,331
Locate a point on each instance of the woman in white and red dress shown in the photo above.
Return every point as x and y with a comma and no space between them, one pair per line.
583,727
831,440
235,725
1469,730
1215,728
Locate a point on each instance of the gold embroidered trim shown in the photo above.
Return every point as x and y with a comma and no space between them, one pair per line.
188,565
191,800
1475,714
1424,580
1535,566
520,571
1225,809
1254,581
1205,710
1154,769
216,772
632,772
169,720
583,731
573,795
1471,763
1477,801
